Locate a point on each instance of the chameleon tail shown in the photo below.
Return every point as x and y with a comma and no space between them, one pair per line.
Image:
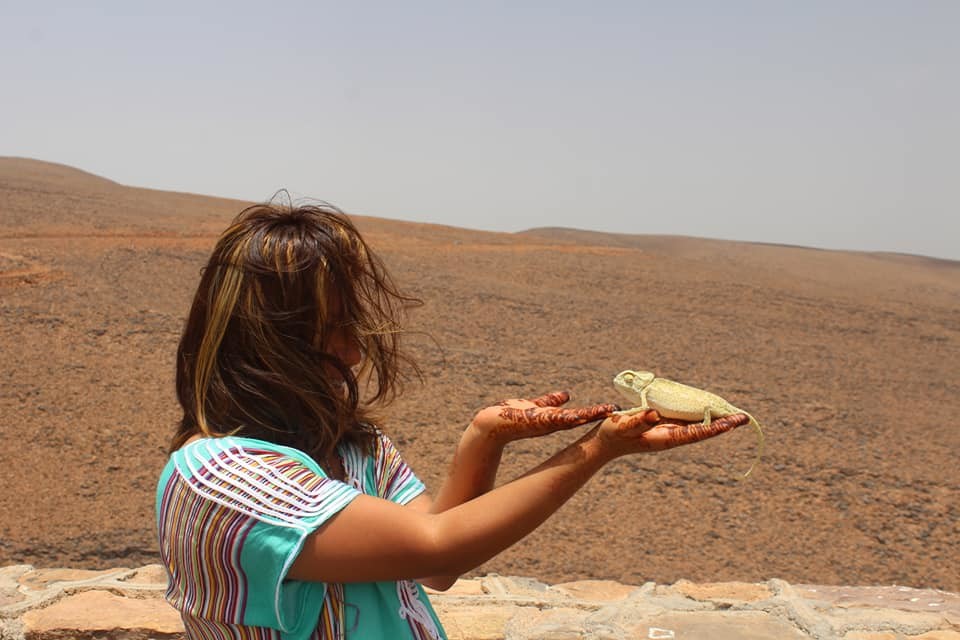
756,427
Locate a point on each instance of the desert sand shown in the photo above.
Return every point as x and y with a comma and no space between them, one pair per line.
850,360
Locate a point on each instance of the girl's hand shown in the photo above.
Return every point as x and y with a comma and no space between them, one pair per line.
516,419
643,432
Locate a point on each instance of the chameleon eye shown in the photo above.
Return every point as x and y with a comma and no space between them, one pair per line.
628,377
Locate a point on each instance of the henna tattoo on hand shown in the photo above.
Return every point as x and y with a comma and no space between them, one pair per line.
552,417
681,434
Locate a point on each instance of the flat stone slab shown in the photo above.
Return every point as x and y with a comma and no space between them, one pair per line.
558,623
10,593
42,579
478,622
724,592
152,574
97,612
595,590
9,596
900,598
572,624
718,625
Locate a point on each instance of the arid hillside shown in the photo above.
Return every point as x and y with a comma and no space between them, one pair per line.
850,360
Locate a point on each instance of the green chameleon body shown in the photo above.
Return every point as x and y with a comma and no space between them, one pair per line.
678,401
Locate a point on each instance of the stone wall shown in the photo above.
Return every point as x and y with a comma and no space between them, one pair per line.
127,604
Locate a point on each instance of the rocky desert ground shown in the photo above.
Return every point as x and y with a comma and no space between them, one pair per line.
850,360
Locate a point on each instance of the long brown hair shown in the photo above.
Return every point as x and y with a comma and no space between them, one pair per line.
250,362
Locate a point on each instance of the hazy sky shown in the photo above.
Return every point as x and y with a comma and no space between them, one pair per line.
828,123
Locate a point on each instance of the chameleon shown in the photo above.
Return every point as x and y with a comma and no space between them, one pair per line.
678,401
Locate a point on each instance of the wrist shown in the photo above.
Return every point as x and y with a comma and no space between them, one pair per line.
477,436
481,443
595,449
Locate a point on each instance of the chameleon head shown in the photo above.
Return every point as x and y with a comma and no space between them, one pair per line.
630,383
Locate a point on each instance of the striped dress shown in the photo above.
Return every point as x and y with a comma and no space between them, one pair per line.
232,515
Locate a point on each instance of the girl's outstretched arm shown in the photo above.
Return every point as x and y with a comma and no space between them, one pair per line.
473,469
373,539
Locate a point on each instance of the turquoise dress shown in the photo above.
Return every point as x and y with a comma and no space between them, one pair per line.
232,515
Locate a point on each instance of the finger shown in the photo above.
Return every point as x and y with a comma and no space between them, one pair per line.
628,421
576,417
546,419
689,433
554,399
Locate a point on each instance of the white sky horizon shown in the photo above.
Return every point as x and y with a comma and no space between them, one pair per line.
820,124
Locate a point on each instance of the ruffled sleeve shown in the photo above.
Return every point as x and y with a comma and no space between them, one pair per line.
271,498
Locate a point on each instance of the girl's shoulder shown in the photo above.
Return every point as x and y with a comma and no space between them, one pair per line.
241,455
274,484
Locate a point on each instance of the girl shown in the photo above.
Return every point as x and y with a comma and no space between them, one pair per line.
284,512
